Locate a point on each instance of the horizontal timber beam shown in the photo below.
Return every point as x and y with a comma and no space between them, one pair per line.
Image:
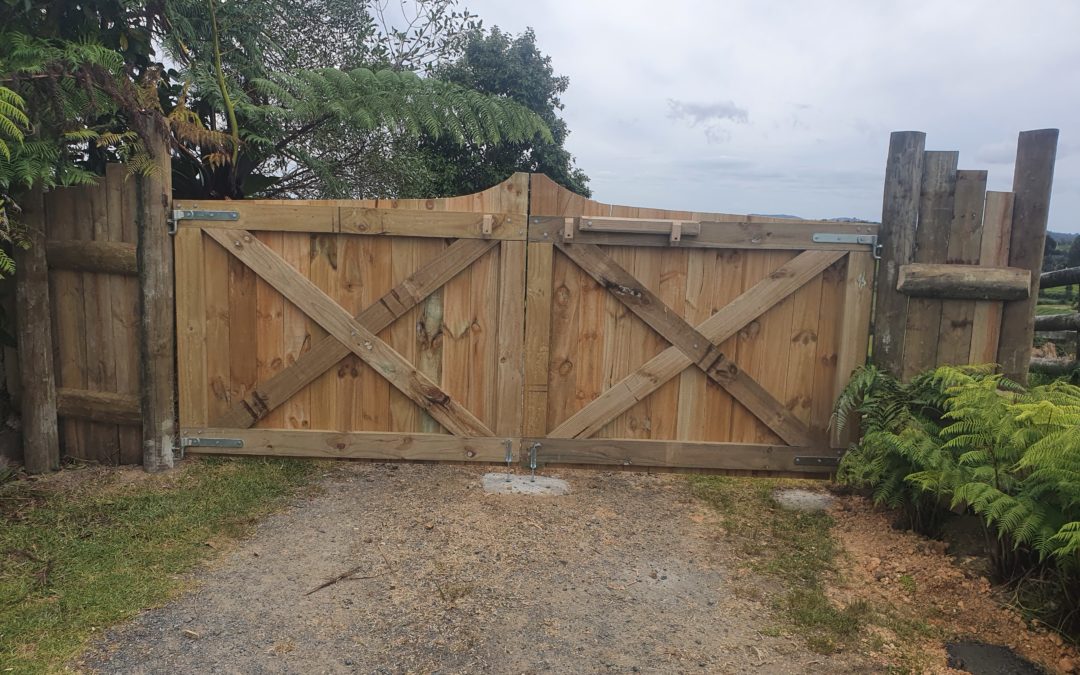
1053,367
683,454
963,282
109,257
353,445
1059,278
317,216
100,406
1057,322
797,235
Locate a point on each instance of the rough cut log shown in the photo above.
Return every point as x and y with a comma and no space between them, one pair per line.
33,318
1033,177
115,257
1057,322
1058,278
157,345
100,406
964,282
899,216
1056,335
1053,367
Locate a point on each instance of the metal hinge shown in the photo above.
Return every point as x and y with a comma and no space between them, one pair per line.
202,442
844,238
817,461
195,214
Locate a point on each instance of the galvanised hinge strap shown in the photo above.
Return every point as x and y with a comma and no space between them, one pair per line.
201,442
190,214
870,240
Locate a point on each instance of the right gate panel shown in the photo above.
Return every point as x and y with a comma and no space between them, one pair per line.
719,345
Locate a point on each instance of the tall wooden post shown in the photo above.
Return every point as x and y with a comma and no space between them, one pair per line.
899,218
33,314
157,346
1033,178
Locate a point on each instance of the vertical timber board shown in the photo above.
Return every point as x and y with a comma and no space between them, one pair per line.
538,291
218,321
270,329
986,319
323,255
1033,178
899,218
69,322
33,325
724,285
965,246
858,299
297,333
123,200
404,336
428,322
103,438
830,335
157,327
509,397
191,327
936,201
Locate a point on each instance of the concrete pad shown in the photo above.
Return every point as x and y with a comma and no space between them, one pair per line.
803,500
519,484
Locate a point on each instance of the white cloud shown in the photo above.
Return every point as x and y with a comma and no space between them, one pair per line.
825,82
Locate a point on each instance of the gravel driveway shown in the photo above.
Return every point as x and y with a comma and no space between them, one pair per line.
626,574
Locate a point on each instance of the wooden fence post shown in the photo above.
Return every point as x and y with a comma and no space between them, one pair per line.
41,443
1032,180
899,218
157,346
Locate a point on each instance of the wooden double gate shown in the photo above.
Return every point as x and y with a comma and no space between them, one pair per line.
521,322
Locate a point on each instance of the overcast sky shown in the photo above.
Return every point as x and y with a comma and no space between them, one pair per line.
763,106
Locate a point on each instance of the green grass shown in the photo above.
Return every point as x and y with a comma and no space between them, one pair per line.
77,559
797,550
1044,310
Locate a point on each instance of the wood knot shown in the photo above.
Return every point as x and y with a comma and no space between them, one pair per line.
434,394
562,295
565,367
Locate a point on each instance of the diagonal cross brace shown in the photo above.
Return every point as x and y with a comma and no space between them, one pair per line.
360,340
751,304
268,395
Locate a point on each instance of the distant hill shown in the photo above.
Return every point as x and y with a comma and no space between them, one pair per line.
1063,239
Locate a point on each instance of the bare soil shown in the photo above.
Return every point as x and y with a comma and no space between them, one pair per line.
922,579
626,574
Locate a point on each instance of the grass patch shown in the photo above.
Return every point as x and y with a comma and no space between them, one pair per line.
79,559
795,549
1048,309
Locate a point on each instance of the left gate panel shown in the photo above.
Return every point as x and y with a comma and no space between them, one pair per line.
404,344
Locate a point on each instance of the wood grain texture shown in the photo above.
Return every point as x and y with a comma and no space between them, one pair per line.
106,407
936,203
193,384
1033,179
965,244
313,360
717,328
359,339
899,219
970,282
104,256
33,332
538,318
157,321
353,445
649,453
509,384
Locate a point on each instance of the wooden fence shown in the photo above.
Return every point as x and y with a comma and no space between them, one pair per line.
960,271
522,322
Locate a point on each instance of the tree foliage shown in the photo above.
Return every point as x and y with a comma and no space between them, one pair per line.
501,64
